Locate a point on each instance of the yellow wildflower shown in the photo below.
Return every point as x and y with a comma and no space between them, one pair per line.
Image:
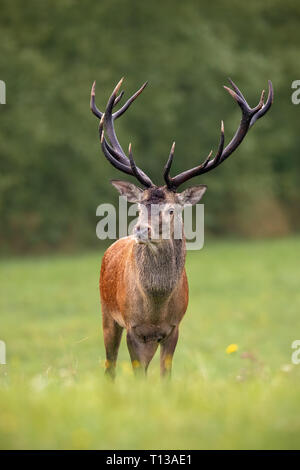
231,348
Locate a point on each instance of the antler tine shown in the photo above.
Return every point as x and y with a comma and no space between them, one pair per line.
122,110
240,101
167,168
118,98
239,98
236,89
172,183
266,106
129,102
141,176
93,106
260,103
249,117
221,145
188,174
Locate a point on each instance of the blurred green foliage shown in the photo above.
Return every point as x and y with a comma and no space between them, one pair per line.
53,175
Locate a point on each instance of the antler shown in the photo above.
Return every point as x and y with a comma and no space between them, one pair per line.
112,149
249,117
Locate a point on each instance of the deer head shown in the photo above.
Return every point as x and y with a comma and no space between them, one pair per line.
167,197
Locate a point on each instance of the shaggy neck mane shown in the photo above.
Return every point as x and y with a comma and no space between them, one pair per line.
160,267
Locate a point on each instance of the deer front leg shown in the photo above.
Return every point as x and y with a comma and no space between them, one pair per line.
140,352
167,349
112,333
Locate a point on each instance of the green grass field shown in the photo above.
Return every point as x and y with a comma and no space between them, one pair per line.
53,394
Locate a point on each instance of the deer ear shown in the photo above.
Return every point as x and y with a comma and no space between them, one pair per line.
192,195
129,190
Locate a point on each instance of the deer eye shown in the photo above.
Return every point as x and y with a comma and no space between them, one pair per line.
171,211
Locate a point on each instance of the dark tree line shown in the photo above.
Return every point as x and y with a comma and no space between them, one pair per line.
52,172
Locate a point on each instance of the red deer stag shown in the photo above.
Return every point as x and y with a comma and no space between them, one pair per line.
143,283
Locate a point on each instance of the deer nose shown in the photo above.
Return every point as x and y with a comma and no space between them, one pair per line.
142,232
